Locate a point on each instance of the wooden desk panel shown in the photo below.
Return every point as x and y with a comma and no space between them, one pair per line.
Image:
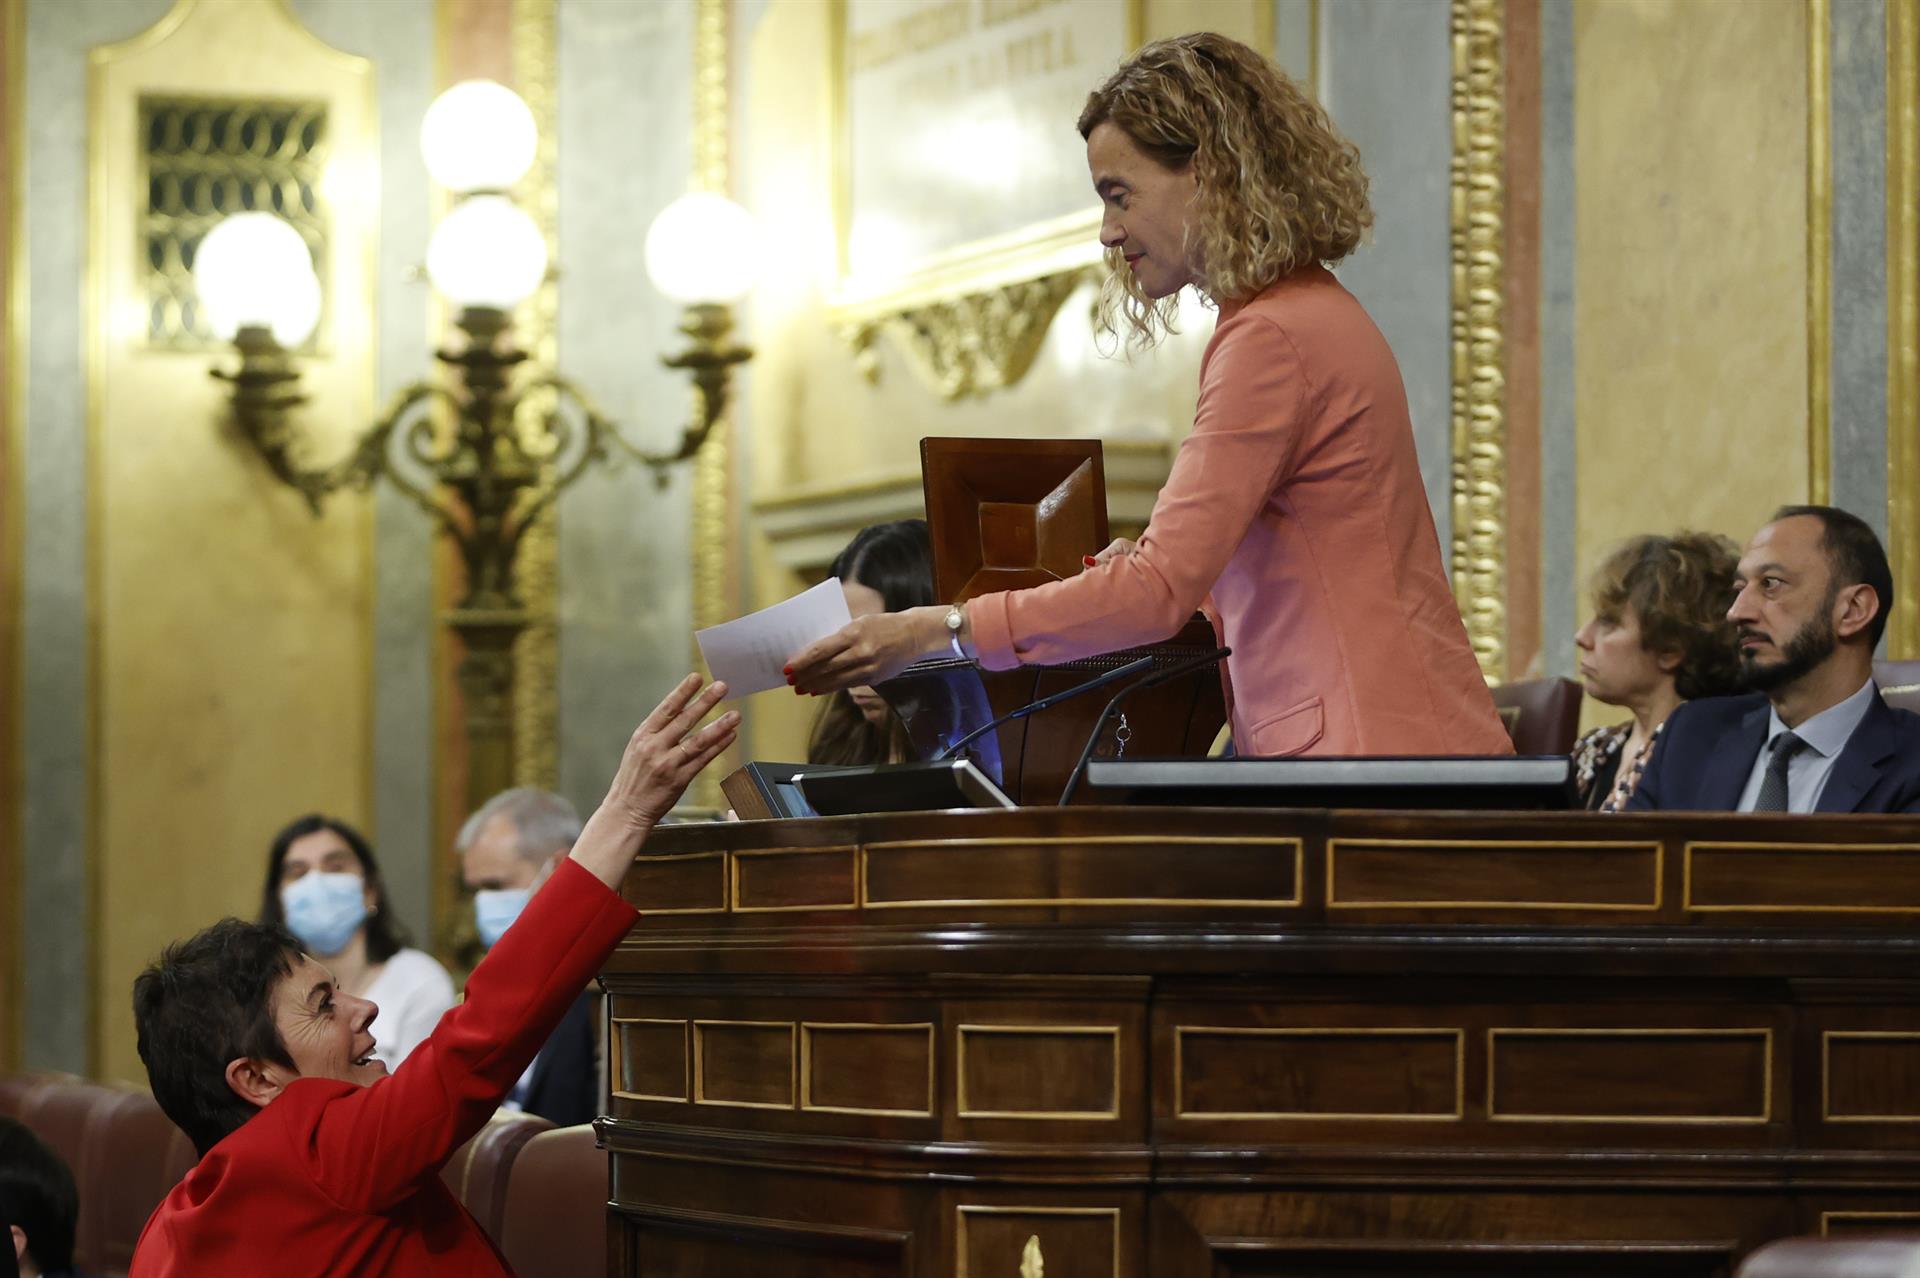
1235,1042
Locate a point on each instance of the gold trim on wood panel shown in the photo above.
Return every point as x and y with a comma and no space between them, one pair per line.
700,1073
712,486
1478,242
726,901
964,1210
806,1068
1686,878
963,1110
1459,1037
1903,319
618,1053
1826,1076
735,857
1819,251
1334,847
1765,1035
956,845
1828,1217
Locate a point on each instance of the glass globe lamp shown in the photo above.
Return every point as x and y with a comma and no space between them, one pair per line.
253,270
703,248
478,136
486,254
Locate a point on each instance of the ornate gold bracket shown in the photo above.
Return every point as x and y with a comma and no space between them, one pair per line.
1032,1263
970,344
1479,398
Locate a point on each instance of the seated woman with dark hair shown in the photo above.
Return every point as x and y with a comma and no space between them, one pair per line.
324,886
1659,636
885,568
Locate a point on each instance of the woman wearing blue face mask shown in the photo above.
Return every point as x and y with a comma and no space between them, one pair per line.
324,886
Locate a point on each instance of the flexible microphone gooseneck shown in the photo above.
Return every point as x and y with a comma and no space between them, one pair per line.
1100,726
1032,707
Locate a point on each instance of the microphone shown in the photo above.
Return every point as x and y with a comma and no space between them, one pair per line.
1171,672
1032,707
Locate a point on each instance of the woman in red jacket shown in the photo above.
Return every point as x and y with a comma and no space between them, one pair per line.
313,1160
1295,506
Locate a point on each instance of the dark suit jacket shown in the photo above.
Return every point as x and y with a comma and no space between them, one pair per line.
565,1087
332,1179
1707,749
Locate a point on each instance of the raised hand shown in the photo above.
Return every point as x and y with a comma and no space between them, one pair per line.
664,755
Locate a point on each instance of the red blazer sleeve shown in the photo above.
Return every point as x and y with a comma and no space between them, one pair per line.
366,1148
1245,436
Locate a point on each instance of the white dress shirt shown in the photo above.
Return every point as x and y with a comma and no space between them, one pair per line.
1826,735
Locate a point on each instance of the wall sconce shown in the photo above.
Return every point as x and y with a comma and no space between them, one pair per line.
488,478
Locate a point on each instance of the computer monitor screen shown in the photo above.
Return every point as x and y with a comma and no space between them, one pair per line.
901,787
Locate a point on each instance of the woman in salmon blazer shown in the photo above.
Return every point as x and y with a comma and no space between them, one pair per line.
1295,508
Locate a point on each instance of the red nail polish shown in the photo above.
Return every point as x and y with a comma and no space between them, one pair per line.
1087,560
787,671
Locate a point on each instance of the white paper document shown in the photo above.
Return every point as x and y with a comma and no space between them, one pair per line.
750,653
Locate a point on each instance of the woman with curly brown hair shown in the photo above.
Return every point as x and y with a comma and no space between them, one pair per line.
1295,508
1659,636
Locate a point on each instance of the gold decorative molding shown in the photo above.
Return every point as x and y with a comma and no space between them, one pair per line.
963,1261
1478,241
618,1049
970,319
536,692
1827,1040
1819,251
1903,319
700,1031
713,466
963,1106
973,343
13,418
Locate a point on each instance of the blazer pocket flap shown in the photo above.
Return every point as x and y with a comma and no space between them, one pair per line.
1290,732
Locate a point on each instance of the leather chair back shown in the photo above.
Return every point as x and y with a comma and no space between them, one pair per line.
479,1171
1541,715
555,1222
1864,1257
124,1153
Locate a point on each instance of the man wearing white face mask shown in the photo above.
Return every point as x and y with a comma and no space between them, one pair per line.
507,850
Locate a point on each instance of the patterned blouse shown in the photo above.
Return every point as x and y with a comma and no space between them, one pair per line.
1605,786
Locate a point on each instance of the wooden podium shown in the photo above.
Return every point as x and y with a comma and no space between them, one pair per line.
1168,1043
1009,514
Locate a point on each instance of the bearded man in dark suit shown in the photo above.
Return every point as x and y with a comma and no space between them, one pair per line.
1813,592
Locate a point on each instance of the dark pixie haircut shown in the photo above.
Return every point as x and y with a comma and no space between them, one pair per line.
1678,588
894,559
207,1001
37,1194
385,936
1855,557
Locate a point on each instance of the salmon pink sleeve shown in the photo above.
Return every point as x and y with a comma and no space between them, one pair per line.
1253,391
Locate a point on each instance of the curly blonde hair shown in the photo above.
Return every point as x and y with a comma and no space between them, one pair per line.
1279,189
1679,588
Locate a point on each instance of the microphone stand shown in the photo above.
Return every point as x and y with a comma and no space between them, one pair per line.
1100,726
1120,672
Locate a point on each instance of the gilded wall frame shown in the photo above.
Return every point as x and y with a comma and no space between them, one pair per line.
969,318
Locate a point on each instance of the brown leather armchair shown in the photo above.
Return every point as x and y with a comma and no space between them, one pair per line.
1541,715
